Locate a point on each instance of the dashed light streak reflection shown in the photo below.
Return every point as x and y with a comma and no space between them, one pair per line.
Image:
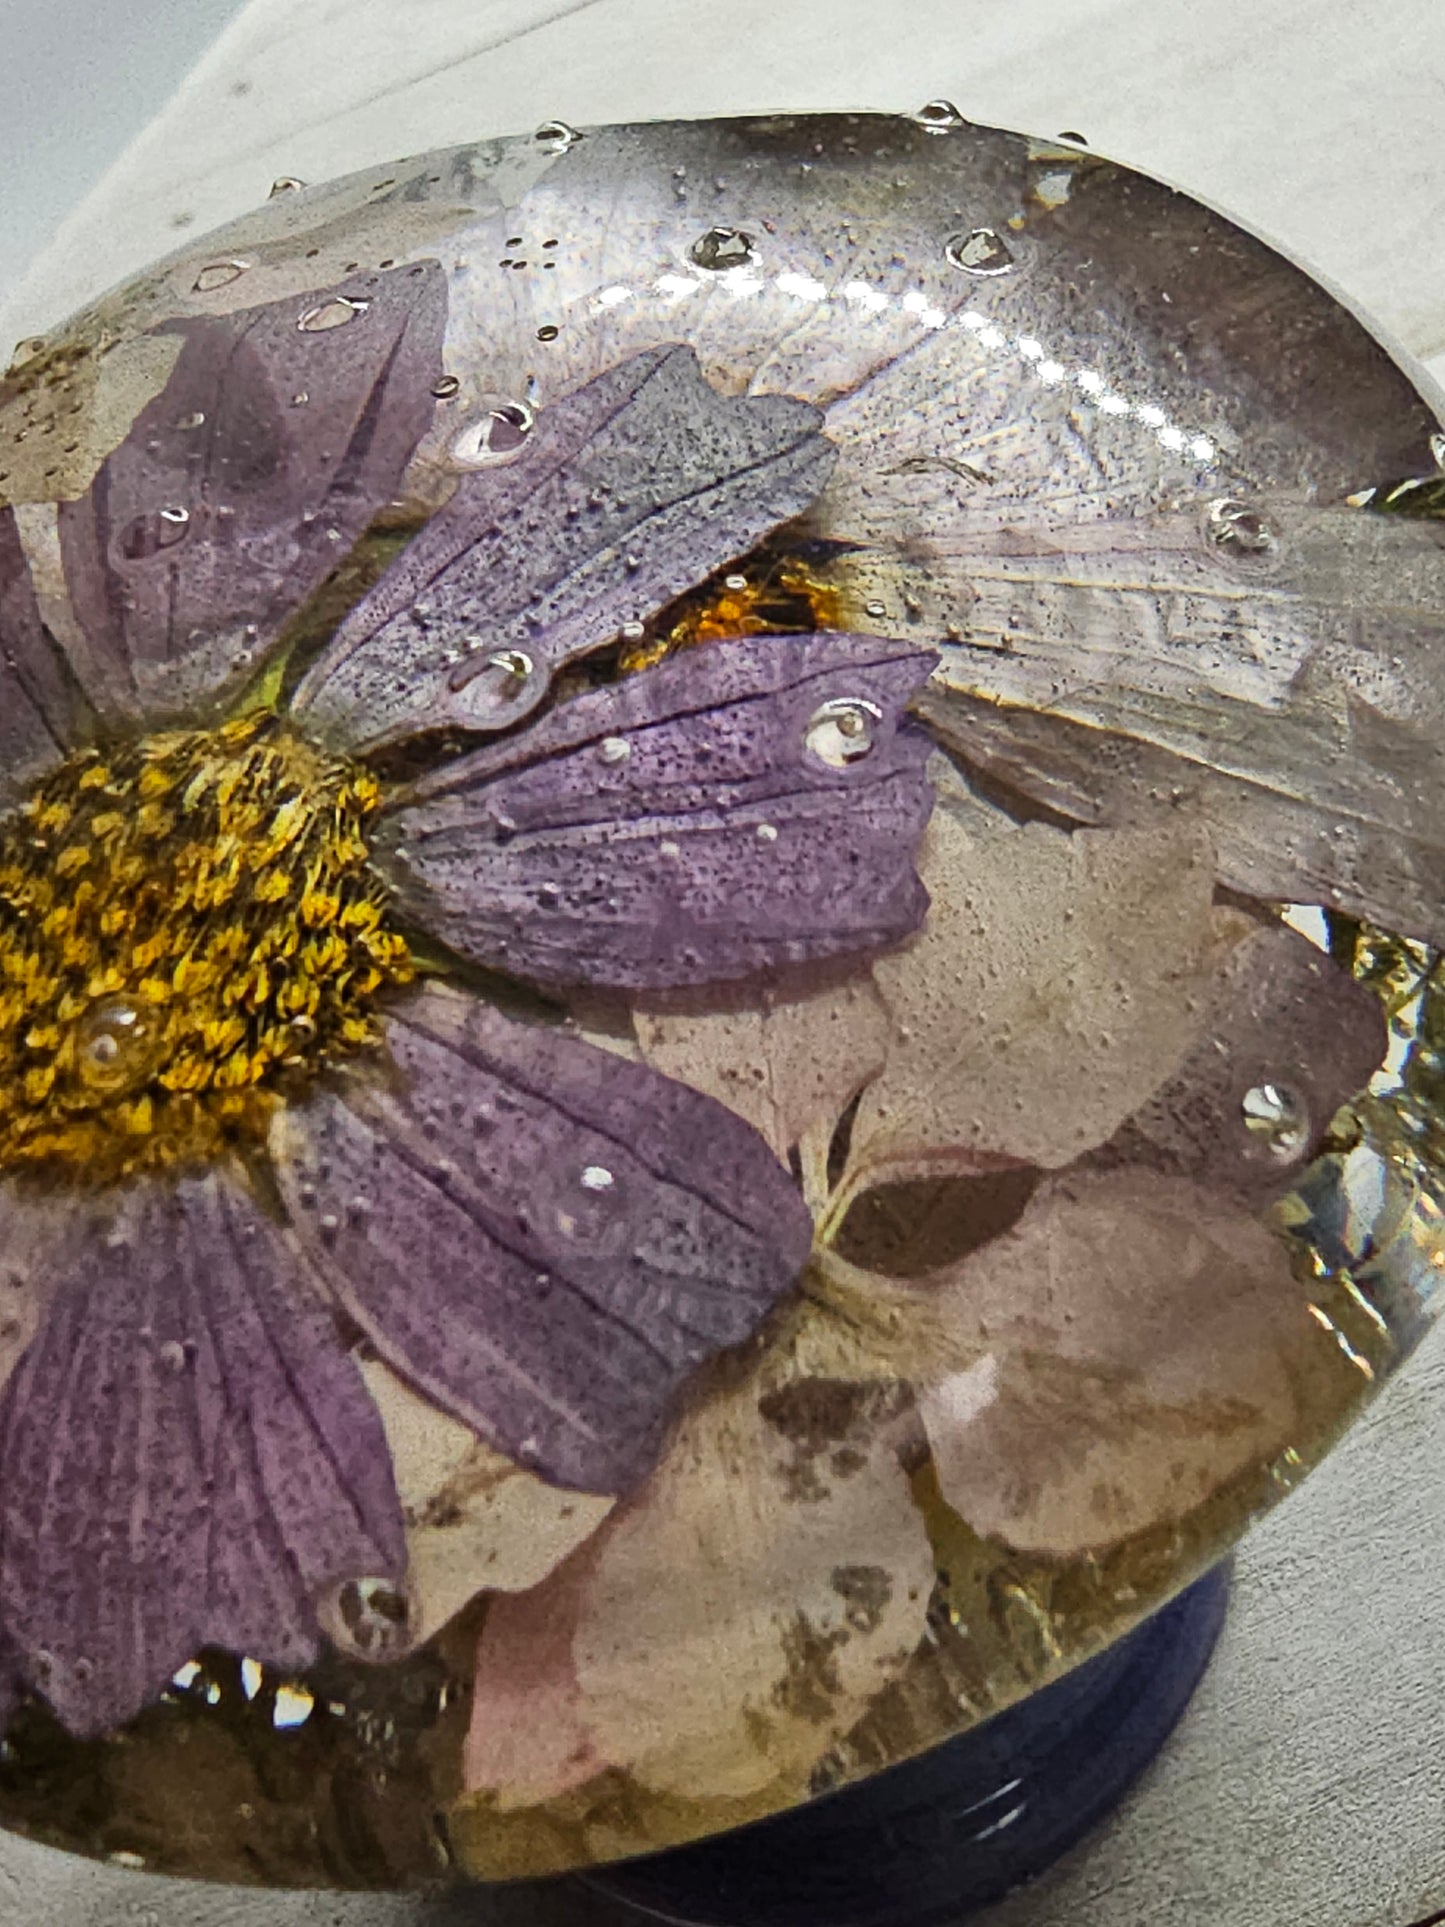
743,282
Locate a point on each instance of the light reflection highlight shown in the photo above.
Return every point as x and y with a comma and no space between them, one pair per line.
743,282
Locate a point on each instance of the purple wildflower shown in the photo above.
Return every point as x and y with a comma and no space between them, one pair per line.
545,1239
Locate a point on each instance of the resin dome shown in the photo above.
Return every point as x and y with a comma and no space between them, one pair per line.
719,1027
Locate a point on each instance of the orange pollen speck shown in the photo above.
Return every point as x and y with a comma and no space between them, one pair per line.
769,595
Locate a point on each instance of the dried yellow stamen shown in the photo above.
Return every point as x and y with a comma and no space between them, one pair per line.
772,595
188,928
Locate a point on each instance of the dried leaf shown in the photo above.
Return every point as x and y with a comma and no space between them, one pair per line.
475,1521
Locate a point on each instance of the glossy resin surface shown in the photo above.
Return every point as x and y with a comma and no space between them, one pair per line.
719,1016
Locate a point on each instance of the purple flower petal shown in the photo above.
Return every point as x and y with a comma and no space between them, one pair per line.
41,711
630,490
704,820
1290,1039
187,1458
545,1238
244,483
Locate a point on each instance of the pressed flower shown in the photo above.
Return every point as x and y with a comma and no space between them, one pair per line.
461,943
252,1102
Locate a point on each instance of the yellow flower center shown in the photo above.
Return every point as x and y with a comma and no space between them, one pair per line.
189,929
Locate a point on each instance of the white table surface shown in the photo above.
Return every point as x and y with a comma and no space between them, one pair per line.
1307,1783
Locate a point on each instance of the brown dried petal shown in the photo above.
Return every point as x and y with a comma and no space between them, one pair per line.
1143,1336
475,1521
809,1576
92,385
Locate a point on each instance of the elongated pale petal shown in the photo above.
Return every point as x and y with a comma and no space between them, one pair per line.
704,820
1134,458
1139,1339
1334,800
812,1574
545,1239
1050,964
187,1458
240,487
636,487
41,712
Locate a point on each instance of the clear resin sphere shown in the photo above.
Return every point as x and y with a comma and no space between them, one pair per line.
720,1029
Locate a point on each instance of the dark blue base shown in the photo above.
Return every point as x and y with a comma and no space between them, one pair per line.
955,1829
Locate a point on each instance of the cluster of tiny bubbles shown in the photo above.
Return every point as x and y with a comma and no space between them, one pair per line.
218,274
368,1618
290,1704
1278,1117
939,117
496,435
981,251
335,312
722,248
285,184
840,731
1237,527
556,137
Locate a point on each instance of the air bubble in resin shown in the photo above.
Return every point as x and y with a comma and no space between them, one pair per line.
981,251
338,312
722,248
842,730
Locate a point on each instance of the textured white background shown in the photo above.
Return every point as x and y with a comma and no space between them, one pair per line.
1307,1784
79,79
